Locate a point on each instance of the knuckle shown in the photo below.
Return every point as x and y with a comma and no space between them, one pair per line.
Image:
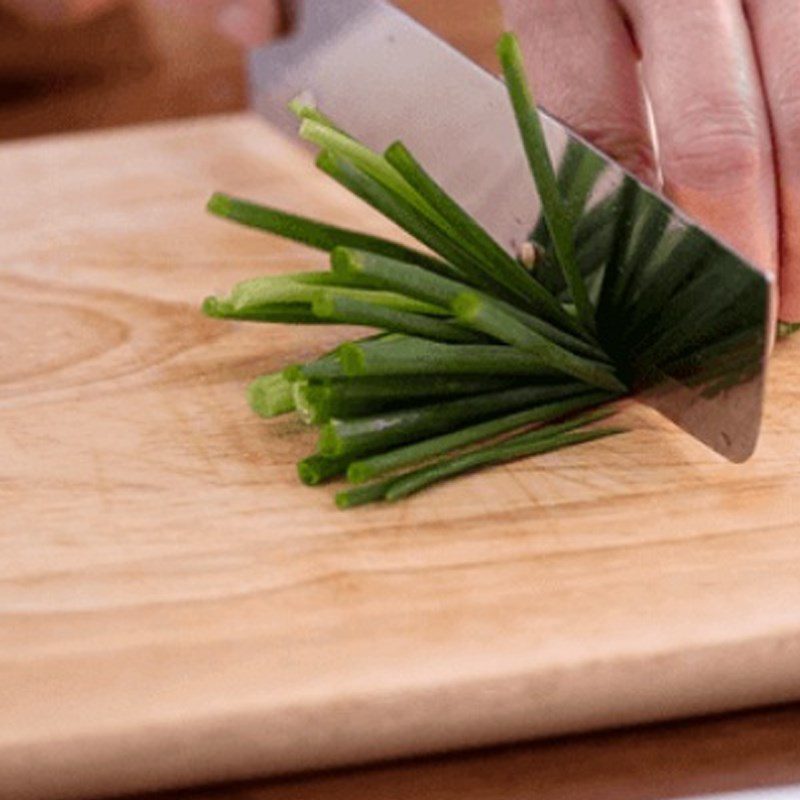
787,110
714,146
636,154
627,143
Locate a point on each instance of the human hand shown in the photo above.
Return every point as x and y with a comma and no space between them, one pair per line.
723,78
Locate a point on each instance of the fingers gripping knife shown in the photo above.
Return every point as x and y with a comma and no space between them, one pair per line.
692,318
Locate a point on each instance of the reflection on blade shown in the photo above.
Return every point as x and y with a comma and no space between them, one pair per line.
676,310
685,316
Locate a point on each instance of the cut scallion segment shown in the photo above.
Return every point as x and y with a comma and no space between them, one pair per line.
366,435
306,288
286,313
554,208
498,263
355,311
485,315
478,353
384,273
303,110
358,397
328,366
568,341
538,443
363,495
524,447
325,368
309,232
460,264
318,402
394,460
618,254
316,470
271,396
370,163
422,357
389,275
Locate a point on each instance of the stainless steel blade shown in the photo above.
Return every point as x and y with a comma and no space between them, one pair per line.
703,323
778,793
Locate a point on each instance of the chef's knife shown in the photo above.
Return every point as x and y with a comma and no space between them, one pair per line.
696,318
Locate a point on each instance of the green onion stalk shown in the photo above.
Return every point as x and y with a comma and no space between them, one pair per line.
470,357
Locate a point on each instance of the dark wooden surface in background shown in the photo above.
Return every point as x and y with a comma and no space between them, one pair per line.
137,64
751,751
142,62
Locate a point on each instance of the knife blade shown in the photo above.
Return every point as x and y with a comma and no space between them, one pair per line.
778,793
689,315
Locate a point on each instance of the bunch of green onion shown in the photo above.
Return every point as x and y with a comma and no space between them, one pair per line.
475,362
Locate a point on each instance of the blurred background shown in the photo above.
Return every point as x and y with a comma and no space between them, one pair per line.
146,60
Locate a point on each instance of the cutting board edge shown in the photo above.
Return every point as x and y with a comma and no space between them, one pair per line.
407,722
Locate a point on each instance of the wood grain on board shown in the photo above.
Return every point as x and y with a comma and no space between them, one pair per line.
176,609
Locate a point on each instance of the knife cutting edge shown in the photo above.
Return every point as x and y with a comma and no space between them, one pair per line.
779,793
695,324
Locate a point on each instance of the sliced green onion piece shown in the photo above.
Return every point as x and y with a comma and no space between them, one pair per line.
306,287
312,233
511,451
354,311
372,164
271,396
358,397
461,263
484,314
420,357
363,495
554,208
316,469
498,263
393,460
285,313
368,435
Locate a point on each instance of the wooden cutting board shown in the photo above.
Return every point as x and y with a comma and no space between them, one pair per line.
175,608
